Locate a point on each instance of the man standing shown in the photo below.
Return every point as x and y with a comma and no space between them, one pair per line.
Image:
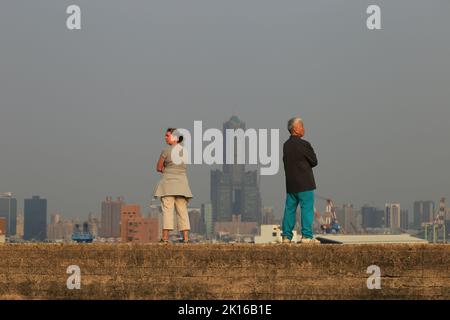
299,158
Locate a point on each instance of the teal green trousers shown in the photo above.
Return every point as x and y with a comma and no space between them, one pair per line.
306,201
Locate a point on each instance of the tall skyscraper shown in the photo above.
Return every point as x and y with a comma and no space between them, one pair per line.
423,213
267,215
235,170
93,224
392,217
348,218
207,217
20,225
8,210
110,220
35,219
155,212
196,221
372,217
59,229
404,219
235,191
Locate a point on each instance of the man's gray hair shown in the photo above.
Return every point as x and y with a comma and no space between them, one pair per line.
292,121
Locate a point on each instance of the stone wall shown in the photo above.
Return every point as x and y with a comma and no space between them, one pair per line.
221,271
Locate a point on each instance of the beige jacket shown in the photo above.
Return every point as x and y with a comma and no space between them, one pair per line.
174,181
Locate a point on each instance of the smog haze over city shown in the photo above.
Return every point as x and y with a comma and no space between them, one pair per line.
83,114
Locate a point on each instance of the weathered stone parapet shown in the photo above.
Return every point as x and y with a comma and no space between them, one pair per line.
224,271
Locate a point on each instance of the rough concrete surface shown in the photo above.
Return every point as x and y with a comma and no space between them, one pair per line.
224,271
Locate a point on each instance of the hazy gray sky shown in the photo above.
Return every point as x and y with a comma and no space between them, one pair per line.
83,113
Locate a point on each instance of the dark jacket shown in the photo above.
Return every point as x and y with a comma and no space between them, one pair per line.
299,158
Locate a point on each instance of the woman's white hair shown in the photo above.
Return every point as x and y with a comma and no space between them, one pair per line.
292,121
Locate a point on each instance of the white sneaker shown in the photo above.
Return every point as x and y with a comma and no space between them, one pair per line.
310,241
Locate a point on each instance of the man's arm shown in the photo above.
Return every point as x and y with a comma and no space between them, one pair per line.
310,155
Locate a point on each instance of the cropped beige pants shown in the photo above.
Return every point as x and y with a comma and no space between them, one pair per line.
180,204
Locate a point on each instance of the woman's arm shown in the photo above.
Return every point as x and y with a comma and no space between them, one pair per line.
160,164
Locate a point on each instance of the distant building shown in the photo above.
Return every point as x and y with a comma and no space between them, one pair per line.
110,219
235,191
392,216
3,226
35,219
93,225
207,218
155,212
54,232
236,227
372,217
58,229
404,219
135,228
196,221
154,229
423,213
348,218
20,225
8,210
267,216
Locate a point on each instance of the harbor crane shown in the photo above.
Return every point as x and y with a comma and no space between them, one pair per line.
328,222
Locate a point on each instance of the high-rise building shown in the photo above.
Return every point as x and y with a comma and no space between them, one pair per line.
93,225
423,213
348,218
8,210
392,217
135,228
20,225
59,229
267,215
35,219
235,191
207,217
404,219
372,217
236,227
155,212
110,220
196,221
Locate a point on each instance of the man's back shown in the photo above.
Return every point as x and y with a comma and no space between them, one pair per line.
299,158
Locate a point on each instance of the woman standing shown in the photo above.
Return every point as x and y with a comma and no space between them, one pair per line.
173,188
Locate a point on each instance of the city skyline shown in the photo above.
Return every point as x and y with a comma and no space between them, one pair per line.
147,206
111,209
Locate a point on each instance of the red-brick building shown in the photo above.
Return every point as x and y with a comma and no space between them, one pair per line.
135,228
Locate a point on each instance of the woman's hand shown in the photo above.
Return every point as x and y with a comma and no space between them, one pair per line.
160,165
